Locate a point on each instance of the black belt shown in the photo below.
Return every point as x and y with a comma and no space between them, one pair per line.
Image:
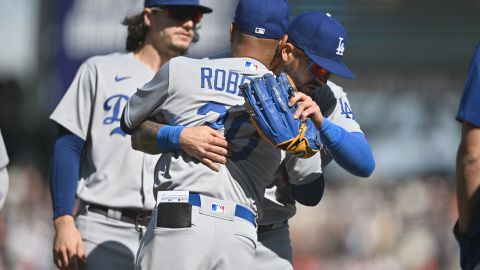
139,217
269,227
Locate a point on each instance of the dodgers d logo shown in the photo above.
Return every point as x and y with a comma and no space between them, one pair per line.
114,105
341,46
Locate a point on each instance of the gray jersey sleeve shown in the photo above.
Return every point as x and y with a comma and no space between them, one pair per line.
75,109
343,115
145,102
3,153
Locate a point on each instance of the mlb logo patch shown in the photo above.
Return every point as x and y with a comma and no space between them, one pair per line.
218,208
259,30
251,65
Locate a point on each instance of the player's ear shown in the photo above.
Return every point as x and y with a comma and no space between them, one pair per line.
277,63
283,40
147,16
287,51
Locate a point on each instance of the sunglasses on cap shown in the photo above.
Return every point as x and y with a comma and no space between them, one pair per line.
182,14
322,74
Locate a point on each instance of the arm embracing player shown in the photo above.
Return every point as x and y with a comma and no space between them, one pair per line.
203,142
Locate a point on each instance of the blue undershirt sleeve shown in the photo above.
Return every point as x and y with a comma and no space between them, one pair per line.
350,150
65,172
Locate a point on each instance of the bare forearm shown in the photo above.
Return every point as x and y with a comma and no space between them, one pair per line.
468,176
202,143
144,138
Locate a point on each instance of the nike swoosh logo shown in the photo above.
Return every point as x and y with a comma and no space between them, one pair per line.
118,78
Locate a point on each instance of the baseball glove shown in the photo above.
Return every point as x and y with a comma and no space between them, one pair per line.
266,101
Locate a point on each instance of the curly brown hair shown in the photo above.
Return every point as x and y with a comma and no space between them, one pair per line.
137,30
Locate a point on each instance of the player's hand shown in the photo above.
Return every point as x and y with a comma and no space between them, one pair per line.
307,108
67,244
205,144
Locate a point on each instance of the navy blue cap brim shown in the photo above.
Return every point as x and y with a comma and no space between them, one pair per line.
335,67
201,8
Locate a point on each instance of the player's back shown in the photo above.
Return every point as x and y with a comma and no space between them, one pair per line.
209,84
206,92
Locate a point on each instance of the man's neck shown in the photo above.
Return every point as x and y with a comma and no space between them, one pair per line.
153,59
276,66
259,57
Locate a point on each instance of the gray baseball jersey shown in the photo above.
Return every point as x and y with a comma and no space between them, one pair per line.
274,250
191,92
279,205
3,153
112,173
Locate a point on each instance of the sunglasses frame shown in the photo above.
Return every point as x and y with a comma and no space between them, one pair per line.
321,73
316,70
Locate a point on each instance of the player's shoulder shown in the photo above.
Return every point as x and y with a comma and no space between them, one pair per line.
336,89
239,65
220,54
108,59
182,60
186,62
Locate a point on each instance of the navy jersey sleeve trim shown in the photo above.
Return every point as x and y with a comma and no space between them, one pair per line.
123,125
65,172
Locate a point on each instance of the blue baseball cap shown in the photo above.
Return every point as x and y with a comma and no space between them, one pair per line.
177,3
323,39
262,18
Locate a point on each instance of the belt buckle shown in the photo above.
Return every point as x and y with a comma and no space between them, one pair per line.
140,220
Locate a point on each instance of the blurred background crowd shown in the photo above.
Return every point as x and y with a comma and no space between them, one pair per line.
404,225
411,59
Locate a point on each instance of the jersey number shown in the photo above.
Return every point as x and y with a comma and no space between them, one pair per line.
346,109
232,131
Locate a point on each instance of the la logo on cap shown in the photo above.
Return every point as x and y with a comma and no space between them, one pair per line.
341,46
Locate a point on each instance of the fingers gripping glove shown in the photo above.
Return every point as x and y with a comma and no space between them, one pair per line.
266,101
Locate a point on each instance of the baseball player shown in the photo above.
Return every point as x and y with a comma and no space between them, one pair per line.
4,181
310,34
467,228
205,219
314,50
114,182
